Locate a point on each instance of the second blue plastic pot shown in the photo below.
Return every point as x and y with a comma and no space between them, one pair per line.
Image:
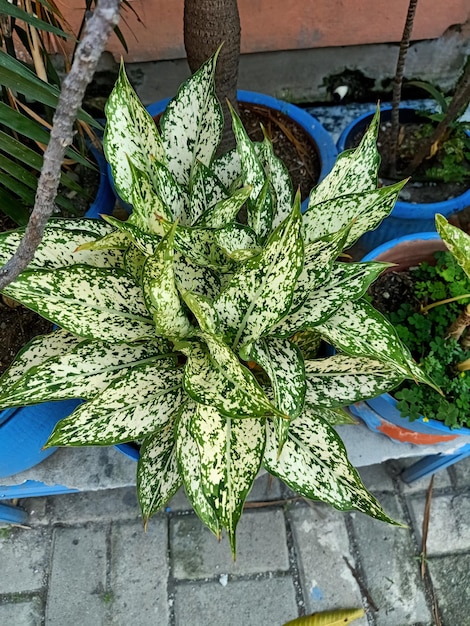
406,217
380,414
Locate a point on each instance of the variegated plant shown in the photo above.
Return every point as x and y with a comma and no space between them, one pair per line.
191,331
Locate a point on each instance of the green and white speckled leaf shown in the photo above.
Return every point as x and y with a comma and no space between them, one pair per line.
347,281
197,245
340,380
130,133
161,293
58,247
140,400
456,240
283,363
226,210
172,194
365,210
319,258
134,261
354,171
280,182
194,278
259,207
217,378
358,329
204,312
237,241
231,452
334,417
145,242
158,477
147,206
190,468
80,372
115,239
228,168
206,191
36,351
260,293
314,464
192,123
90,302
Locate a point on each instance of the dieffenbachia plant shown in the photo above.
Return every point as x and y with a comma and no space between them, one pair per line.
190,330
456,240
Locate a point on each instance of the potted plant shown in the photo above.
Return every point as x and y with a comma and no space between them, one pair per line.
431,147
190,331
427,296
24,430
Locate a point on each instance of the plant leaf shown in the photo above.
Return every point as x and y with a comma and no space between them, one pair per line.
218,379
117,415
347,281
364,209
192,123
260,293
79,371
206,191
91,302
191,277
340,380
456,240
231,451
283,363
354,171
59,244
313,463
130,135
237,241
161,294
226,210
158,478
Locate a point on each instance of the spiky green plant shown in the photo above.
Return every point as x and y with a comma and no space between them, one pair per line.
189,331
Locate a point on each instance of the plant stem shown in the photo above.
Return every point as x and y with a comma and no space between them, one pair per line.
398,82
464,366
458,326
89,52
427,308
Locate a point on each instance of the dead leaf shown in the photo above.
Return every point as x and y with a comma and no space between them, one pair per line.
328,618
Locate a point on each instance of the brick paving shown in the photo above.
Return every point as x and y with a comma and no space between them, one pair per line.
85,559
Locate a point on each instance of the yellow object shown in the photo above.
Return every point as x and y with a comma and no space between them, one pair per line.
328,618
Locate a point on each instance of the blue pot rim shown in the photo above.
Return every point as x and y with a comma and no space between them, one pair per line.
405,210
435,425
326,148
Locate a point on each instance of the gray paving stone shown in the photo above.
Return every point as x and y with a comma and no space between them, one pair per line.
77,591
266,602
261,546
376,477
76,508
322,542
449,528
461,472
441,478
139,574
451,579
21,613
390,569
24,554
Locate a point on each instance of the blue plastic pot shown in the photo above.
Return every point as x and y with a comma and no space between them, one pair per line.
380,414
325,146
406,217
25,430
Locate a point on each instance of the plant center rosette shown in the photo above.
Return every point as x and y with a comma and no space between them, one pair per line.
192,331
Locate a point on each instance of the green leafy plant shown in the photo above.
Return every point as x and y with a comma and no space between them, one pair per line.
191,331
434,327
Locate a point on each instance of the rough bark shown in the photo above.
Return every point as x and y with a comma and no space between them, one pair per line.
207,24
98,29
398,82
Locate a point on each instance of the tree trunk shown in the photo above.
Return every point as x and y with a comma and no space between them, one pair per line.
207,24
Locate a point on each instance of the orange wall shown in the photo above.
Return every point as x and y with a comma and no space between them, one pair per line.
269,25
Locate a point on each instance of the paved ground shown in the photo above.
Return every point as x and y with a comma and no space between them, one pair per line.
86,561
